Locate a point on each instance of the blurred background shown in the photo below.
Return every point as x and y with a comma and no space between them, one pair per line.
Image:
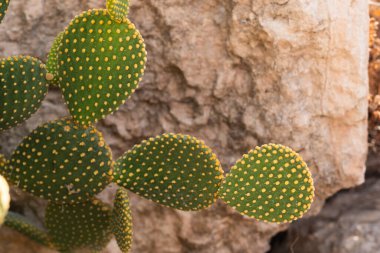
236,73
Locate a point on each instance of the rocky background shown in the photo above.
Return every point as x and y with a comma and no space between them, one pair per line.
236,73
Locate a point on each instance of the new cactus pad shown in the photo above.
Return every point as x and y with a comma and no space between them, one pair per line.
175,170
118,10
77,226
121,221
100,64
3,8
52,62
271,183
23,226
63,162
23,87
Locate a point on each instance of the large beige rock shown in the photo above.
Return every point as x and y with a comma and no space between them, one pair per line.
236,74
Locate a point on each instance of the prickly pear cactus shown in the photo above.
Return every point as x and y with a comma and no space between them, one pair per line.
52,62
118,10
3,8
63,162
175,170
100,64
4,198
23,87
121,221
22,225
77,226
271,183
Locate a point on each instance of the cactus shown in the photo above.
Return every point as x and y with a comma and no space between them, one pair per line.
121,221
175,170
118,10
81,225
63,162
4,198
100,64
3,8
271,183
52,62
23,226
23,84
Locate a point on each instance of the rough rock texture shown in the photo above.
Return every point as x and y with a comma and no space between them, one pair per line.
236,73
343,226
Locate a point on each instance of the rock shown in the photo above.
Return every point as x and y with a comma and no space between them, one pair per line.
236,74
343,226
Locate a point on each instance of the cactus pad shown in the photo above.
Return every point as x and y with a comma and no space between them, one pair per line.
77,226
118,10
271,183
3,8
23,226
4,198
100,64
52,62
175,170
122,220
23,86
63,162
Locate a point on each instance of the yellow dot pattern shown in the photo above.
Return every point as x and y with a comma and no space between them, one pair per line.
4,198
3,8
100,64
174,170
5,169
78,226
271,183
23,226
122,220
118,10
23,86
52,61
63,162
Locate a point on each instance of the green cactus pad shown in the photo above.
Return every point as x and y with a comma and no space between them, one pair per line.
23,86
3,8
271,183
23,226
118,10
122,220
5,168
100,64
52,62
63,162
4,198
77,226
175,170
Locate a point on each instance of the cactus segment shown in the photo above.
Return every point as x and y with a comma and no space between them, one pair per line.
271,183
175,170
52,62
23,226
3,8
118,10
63,162
5,168
4,198
23,87
121,222
77,226
100,64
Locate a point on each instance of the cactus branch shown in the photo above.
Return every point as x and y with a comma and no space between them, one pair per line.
25,227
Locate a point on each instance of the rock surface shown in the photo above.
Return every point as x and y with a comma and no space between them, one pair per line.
236,73
349,223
